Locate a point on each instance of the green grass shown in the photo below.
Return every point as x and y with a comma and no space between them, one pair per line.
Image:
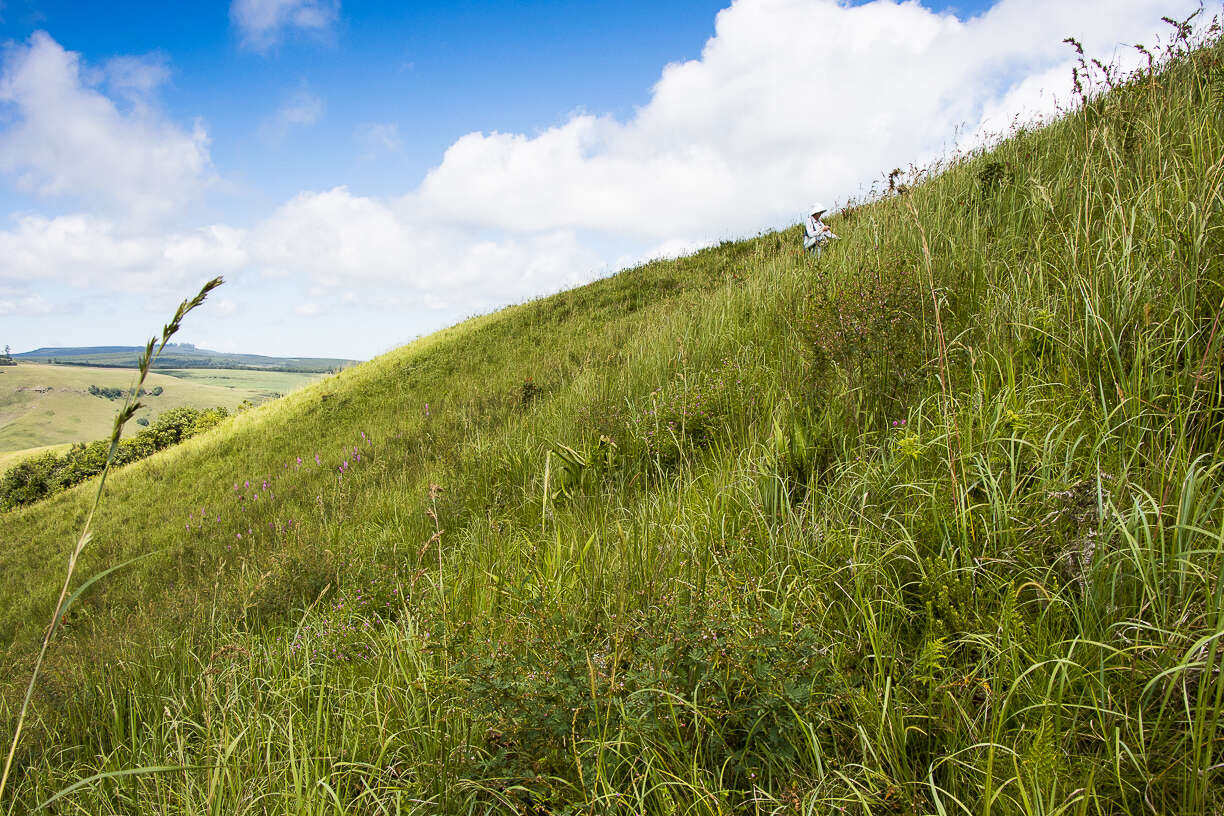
69,413
734,533
261,385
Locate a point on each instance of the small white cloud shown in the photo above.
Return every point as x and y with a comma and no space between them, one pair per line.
300,110
225,307
136,77
378,137
263,23
26,306
308,309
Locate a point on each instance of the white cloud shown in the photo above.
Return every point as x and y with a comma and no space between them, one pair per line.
335,240
68,139
300,109
345,249
90,252
790,100
136,76
378,137
262,23
225,307
12,303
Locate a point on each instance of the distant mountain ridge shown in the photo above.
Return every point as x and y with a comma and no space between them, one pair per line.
179,355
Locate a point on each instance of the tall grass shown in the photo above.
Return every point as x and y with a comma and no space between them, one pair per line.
934,526
131,405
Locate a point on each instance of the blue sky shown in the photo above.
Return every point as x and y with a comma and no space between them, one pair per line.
363,173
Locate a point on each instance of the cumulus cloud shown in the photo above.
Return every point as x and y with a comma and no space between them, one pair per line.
136,77
224,307
334,239
262,23
93,252
790,100
337,247
300,109
13,302
70,139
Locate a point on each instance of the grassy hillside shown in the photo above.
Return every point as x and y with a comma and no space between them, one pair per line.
931,526
180,356
44,405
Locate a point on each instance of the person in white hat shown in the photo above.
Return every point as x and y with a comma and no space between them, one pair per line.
816,233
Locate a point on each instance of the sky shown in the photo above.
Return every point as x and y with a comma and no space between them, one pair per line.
364,173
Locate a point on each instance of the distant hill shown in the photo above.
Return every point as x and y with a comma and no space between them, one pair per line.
180,355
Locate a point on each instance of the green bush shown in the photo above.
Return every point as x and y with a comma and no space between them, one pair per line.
28,481
868,338
687,414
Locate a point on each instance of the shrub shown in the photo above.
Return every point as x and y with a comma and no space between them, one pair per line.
871,333
28,481
690,412
208,419
108,393
740,680
83,461
528,392
118,393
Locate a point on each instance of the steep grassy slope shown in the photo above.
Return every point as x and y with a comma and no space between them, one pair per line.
932,526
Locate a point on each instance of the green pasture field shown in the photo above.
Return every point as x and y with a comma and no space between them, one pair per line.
931,525
66,412
262,385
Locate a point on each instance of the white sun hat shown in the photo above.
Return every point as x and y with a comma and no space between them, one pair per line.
817,209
